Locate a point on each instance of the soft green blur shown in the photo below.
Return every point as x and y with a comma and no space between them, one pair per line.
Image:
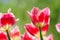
20,7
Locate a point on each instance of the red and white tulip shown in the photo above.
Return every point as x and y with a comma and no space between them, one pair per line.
15,34
7,18
40,17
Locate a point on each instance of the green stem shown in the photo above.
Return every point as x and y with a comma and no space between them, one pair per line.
8,35
41,37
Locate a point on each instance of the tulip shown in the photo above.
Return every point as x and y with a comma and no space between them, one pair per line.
7,18
15,34
40,19
58,27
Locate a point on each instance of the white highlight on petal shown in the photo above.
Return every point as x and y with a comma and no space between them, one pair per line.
1,15
9,10
58,27
3,32
15,29
45,11
29,13
33,9
0,18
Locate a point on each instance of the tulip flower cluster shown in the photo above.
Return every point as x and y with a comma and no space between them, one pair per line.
36,30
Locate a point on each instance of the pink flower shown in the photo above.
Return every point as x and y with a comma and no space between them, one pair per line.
40,17
8,18
50,37
58,27
15,34
3,36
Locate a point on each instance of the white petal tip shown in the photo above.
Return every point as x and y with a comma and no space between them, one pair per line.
9,10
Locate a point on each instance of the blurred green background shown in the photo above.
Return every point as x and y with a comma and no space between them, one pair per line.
19,8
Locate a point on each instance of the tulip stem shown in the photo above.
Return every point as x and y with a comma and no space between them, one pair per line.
8,35
41,37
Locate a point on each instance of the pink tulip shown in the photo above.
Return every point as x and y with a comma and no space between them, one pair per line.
15,34
58,27
7,18
50,37
40,17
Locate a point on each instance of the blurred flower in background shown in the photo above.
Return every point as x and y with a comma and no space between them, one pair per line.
15,33
58,27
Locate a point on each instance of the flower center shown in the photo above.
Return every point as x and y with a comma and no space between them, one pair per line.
40,24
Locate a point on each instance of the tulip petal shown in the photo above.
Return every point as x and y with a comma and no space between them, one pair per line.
35,11
34,19
33,14
27,36
1,15
58,27
41,17
45,28
46,19
31,29
0,19
50,37
15,32
3,36
46,11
